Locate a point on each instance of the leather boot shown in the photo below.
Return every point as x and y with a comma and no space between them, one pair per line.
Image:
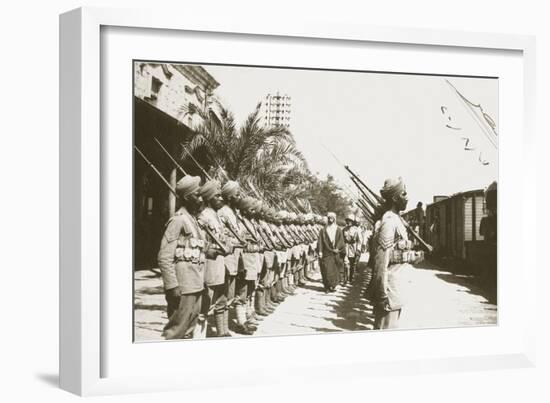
288,290
268,302
259,303
276,293
291,284
251,317
302,281
281,288
226,323
220,328
242,326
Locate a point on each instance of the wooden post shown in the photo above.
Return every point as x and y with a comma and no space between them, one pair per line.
171,195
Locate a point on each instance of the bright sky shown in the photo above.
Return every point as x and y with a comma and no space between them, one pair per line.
381,125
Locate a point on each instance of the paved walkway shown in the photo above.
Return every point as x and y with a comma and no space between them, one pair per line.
435,298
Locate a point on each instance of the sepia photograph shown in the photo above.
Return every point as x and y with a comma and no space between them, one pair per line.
280,201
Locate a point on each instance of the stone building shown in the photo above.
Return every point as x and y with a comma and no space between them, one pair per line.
167,101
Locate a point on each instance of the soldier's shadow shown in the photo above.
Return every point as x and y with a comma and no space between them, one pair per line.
354,312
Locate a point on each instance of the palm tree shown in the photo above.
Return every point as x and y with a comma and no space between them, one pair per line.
259,157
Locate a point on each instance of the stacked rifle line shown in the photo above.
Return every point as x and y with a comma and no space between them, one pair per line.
371,205
298,236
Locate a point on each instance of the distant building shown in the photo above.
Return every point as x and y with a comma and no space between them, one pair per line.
276,110
167,98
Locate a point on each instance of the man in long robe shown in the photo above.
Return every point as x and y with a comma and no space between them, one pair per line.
331,247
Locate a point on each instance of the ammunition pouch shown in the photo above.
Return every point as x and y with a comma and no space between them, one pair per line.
406,256
402,253
190,250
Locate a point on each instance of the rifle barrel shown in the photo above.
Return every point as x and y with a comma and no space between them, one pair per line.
216,240
150,164
171,158
376,197
196,162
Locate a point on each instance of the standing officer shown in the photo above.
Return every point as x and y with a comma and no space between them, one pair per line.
353,247
181,259
214,276
392,250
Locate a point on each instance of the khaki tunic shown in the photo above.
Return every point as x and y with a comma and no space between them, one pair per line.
389,234
228,217
251,256
181,256
352,239
215,268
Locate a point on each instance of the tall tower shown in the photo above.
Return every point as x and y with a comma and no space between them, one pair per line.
276,110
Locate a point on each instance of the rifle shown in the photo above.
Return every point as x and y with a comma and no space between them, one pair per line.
283,241
254,238
171,158
264,236
196,162
272,239
232,230
424,244
205,228
379,199
376,197
373,203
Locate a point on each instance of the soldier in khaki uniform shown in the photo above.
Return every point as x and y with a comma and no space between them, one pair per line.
267,273
353,248
181,259
277,293
392,250
251,261
235,274
283,256
288,279
312,246
214,276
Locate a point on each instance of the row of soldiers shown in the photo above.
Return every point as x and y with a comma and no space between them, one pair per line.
223,250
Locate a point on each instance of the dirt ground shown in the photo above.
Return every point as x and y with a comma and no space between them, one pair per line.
435,298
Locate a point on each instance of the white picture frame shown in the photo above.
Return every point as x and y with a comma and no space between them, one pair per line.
82,190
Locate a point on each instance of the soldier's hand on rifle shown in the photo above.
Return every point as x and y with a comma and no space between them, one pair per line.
212,251
230,248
